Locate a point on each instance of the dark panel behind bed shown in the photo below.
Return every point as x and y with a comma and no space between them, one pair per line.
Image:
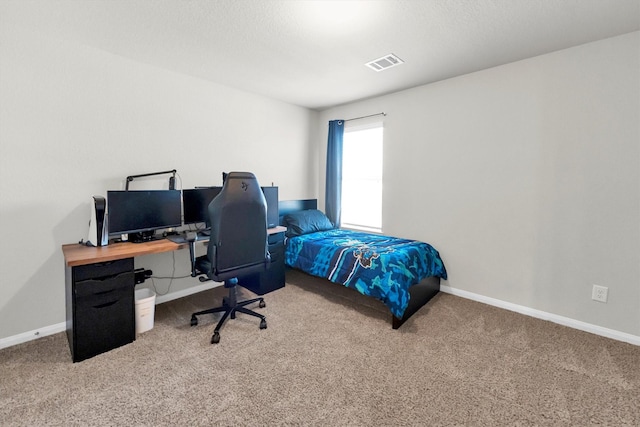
287,206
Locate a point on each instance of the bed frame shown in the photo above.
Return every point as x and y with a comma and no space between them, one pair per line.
420,294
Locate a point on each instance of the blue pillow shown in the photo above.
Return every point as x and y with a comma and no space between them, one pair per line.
304,222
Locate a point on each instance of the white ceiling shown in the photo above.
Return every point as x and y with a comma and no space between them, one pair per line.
312,53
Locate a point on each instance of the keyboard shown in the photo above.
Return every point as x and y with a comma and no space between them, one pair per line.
182,237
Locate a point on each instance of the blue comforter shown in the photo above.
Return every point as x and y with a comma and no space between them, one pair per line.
379,266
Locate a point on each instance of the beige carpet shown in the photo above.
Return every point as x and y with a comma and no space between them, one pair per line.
327,359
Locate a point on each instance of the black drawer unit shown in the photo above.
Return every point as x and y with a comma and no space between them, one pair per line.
273,278
100,307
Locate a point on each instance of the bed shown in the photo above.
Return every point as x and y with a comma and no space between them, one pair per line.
401,273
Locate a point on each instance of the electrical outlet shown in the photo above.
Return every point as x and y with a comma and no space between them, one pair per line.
599,293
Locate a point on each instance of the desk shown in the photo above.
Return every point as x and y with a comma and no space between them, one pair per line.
77,254
99,290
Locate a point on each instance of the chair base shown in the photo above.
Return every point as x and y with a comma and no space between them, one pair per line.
230,306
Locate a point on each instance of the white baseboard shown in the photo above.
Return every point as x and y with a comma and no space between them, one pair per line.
61,327
539,314
32,335
187,291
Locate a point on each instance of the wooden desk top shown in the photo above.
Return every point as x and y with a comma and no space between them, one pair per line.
76,254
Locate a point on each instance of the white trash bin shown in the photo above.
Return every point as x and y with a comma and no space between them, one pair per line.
145,309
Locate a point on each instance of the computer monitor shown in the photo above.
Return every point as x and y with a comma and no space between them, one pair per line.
139,213
195,203
271,195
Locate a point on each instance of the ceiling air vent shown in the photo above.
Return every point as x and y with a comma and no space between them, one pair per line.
385,62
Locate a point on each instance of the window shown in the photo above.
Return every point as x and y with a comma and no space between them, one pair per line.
362,178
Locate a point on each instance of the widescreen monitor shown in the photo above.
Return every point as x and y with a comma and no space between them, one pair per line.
143,211
195,202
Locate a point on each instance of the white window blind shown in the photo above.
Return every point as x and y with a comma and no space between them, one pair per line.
362,177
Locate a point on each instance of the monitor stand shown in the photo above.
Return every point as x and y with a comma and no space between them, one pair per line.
142,236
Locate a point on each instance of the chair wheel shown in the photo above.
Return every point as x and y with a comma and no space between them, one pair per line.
262,304
215,339
263,324
194,321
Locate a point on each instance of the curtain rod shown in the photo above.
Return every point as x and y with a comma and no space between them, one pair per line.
364,117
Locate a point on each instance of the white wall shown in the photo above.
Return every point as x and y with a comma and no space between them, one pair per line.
75,121
526,178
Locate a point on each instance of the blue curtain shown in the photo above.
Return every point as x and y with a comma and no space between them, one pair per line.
333,188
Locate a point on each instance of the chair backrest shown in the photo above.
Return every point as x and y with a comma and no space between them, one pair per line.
238,217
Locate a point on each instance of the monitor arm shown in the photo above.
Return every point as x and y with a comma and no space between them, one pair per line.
172,180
